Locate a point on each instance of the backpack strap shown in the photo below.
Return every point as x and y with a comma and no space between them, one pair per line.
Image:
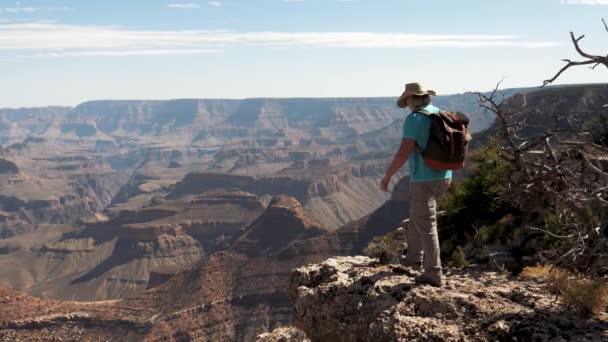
424,112
421,110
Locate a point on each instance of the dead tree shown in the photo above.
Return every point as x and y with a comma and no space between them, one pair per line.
559,179
590,59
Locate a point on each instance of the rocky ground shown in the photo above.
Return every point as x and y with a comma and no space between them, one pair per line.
356,299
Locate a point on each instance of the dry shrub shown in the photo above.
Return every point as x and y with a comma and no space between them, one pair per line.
387,248
588,297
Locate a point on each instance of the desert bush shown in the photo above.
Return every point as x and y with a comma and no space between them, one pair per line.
475,207
479,198
587,297
458,259
598,127
387,248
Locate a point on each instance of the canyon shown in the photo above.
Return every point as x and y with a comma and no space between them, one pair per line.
184,219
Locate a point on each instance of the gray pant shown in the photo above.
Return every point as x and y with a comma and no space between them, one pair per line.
422,230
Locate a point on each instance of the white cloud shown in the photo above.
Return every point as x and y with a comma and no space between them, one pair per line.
189,5
122,53
585,2
53,38
19,9
215,3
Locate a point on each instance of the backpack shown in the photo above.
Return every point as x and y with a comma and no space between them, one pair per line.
448,140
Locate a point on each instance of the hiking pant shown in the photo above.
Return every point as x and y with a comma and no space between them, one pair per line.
422,231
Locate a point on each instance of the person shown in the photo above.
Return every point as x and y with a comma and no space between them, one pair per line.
426,185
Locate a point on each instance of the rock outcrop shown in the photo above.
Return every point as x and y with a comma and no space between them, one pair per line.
283,222
356,299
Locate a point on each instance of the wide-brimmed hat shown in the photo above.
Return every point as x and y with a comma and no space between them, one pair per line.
413,89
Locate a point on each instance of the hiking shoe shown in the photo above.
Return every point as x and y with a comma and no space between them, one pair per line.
416,266
433,280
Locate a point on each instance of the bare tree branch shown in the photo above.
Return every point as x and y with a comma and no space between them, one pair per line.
567,66
550,150
578,48
551,234
594,168
591,59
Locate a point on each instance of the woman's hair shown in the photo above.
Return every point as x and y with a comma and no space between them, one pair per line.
416,101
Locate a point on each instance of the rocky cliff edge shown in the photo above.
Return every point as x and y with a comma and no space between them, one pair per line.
356,299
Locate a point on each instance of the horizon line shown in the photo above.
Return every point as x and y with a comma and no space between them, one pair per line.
290,97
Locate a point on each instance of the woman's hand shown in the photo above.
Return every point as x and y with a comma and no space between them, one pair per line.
384,183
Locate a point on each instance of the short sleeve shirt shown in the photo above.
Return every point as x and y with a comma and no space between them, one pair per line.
417,127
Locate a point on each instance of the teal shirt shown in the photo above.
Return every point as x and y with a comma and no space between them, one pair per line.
417,127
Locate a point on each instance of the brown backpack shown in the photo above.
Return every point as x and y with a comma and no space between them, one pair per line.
448,140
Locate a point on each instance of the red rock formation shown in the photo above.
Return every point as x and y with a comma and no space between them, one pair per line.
283,222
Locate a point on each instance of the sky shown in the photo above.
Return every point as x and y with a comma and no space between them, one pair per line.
65,52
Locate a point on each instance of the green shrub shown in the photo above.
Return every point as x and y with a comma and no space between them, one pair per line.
481,237
480,197
476,206
598,127
387,248
458,259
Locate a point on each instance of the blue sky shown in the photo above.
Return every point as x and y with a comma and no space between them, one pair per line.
62,52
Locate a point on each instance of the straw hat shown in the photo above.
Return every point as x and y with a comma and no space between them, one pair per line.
413,89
